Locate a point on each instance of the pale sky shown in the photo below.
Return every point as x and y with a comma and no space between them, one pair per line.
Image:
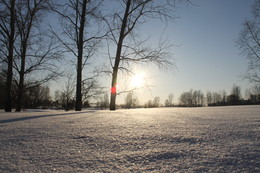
206,54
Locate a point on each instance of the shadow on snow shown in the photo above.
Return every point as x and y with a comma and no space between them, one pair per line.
40,116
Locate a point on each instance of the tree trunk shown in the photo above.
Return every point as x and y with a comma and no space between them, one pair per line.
113,91
78,88
21,83
80,56
24,44
118,56
113,102
8,87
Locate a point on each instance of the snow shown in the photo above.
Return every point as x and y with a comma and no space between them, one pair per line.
216,139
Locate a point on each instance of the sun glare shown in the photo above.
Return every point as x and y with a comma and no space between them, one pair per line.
137,80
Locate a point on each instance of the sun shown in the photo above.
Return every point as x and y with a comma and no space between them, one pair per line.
137,80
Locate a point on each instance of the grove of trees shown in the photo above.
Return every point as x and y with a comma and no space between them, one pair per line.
34,49
221,98
28,53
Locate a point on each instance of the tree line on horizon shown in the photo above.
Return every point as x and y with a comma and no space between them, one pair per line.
34,50
40,98
196,98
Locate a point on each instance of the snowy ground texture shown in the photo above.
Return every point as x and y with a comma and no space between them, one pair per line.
219,139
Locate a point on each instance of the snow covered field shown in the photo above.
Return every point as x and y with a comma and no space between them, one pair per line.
218,139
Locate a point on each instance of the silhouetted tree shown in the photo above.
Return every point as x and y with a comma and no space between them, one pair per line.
35,49
249,43
104,101
209,98
255,94
170,99
252,95
224,97
124,23
67,95
192,98
235,96
81,34
91,89
186,99
216,98
156,102
7,36
201,98
37,97
131,101
166,103
149,104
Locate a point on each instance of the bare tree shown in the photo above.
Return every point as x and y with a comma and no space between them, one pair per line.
7,34
170,98
36,97
235,97
209,98
216,98
156,102
186,98
224,96
253,94
192,98
249,43
66,96
91,89
104,101
81,33
129,49
131,101
169,101
35,50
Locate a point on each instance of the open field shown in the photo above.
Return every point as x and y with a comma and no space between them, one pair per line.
218,139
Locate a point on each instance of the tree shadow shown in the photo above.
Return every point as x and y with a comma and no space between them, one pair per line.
41,116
